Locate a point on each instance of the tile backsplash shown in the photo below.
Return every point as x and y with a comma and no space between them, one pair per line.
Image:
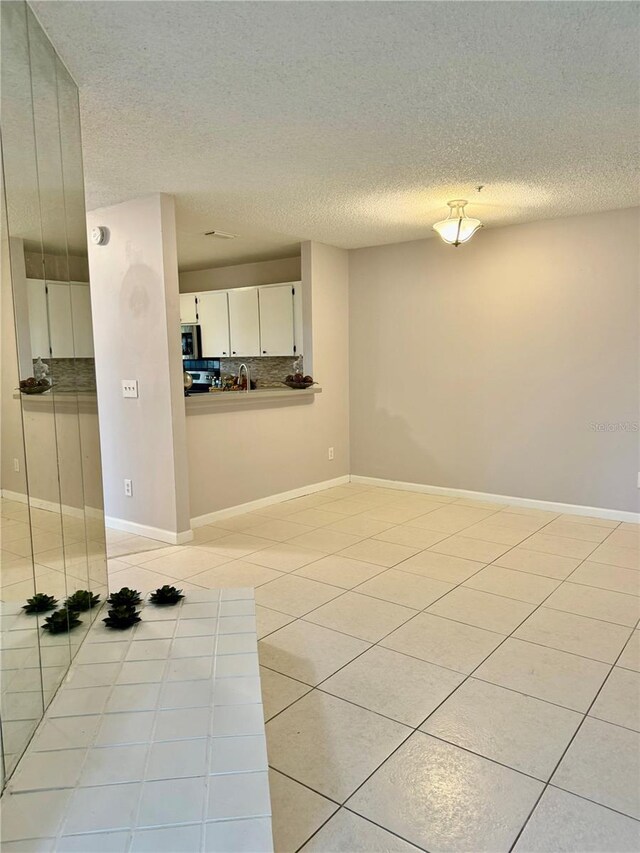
72,374
266,372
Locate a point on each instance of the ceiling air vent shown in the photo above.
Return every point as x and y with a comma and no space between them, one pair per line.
223,235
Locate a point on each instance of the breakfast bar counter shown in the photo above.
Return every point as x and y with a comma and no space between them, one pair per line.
196,403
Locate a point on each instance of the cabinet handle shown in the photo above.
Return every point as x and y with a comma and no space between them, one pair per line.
234,352
264,352
224,352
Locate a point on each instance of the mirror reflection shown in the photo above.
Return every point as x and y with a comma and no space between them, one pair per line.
53,539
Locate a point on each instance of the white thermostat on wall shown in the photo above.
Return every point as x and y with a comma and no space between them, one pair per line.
99,235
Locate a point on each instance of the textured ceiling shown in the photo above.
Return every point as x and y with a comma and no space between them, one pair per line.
352,123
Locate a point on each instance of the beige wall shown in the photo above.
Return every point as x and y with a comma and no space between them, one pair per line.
485,367
240,455
241,275
134,300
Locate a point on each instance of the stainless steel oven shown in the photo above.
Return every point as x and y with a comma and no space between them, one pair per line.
191,345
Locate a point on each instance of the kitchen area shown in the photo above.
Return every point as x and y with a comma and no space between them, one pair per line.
242,340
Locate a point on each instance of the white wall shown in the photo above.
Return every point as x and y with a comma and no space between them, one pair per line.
134,290
240,455
485,367
241,275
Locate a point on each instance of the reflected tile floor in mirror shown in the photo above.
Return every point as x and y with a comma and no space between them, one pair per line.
437,673
60,569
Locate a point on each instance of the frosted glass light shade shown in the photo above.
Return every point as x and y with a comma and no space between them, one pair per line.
457,228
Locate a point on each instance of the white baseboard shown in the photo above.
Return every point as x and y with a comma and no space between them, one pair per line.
169,536
201,520
52,506
529,503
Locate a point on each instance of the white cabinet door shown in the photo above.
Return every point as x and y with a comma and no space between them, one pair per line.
244,322
81,318
213,316
298,342
38,326
60,323
276,320
188,308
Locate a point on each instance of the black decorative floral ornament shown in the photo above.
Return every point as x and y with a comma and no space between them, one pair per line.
61,621
166,595
122,616
124,596
82,600
40,603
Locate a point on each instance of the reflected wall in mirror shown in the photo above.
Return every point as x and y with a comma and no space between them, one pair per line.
53,538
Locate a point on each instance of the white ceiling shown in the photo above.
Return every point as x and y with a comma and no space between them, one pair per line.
352,123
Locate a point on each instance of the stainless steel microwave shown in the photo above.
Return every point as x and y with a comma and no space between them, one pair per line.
191,344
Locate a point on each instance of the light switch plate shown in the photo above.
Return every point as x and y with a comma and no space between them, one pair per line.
129,387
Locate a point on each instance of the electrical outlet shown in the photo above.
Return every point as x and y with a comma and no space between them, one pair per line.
130,388
128,488
16,466
331,454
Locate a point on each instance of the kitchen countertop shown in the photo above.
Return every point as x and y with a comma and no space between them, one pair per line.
216,399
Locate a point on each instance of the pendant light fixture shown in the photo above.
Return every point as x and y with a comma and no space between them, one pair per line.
457,227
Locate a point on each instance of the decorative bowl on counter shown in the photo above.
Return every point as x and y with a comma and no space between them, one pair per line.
299,381
35,386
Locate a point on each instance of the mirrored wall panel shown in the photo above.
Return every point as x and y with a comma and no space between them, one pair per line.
53,538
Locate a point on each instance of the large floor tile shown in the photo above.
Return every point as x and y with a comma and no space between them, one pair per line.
381,553
361,616
579,635
441,567
307,652
537,563
405,588
340,571
626,538
470,549
279,529
327,541
269,621
630,657
237,573
615,555
607,577
186,562
503,534
313,517
238,545
597,603
443,642
279,691
330,745
295,595
513,584
545,673
284,557
562,821
347,832
395,685
440,797
412,537
563,546
603,765
482,609
453,518
296,811
586,532
619,700
358,525
522,732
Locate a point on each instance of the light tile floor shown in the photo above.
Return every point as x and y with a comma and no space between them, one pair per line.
437,674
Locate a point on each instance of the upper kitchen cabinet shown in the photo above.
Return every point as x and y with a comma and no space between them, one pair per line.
188,308
213,316
244,322
59,319
81,320
276,320
38,323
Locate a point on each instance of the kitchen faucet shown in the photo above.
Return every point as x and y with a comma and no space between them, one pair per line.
248,375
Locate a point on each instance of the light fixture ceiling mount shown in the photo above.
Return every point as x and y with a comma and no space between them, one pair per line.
457,227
